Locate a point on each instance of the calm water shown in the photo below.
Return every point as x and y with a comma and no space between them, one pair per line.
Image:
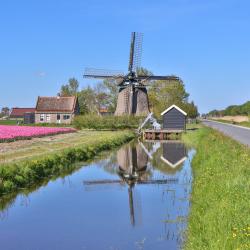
136,197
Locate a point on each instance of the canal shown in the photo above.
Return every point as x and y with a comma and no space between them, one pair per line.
136,197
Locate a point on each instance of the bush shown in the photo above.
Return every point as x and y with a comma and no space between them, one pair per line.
107,122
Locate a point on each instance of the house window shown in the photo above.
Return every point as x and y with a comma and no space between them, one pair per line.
42,117
66,117
58,117
47,117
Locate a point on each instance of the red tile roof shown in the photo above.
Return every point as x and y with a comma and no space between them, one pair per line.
19,112
56,104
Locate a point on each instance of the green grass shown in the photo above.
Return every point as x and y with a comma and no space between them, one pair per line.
8,122
36,164
220,214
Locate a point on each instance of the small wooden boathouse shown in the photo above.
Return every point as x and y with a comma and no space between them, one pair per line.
174,123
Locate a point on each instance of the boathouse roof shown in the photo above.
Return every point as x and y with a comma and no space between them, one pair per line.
176,107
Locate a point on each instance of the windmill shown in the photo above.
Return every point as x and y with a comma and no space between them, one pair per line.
132,97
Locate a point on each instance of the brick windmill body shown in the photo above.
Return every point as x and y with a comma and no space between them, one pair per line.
132,97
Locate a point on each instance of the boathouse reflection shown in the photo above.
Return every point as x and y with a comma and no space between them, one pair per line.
174,153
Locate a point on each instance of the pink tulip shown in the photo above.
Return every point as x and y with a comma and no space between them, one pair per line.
18,132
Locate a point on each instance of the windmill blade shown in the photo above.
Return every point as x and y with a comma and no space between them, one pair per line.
102,182
158,182
143,79
135,51
102,73
142,182
151,78
131,54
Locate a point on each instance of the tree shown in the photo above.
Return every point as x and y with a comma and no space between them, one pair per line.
5,111
87,101
232,110
112,91
101,95
71,88
191,110
165,93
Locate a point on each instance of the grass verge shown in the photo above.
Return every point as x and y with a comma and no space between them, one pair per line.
219,217
22,174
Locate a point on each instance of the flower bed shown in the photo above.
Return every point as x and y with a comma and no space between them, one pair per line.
12,133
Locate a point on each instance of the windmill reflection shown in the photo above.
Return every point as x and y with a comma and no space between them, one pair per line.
132,162
133,169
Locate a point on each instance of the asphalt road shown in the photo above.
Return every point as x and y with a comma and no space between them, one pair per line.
238,133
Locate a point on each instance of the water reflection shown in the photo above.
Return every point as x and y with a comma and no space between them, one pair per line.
136,162
133,168
134,198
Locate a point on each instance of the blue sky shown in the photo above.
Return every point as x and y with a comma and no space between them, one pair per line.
205,42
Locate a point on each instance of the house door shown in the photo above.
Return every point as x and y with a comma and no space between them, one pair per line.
58,118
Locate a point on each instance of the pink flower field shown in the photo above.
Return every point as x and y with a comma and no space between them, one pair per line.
11,133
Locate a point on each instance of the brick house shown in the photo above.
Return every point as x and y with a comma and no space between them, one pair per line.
60,109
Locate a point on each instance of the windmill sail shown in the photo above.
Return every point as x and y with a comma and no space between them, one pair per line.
132,97
135,51
102,73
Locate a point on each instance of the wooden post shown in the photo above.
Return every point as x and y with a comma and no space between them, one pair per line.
161,136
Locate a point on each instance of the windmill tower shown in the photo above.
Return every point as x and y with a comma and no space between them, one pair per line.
132,97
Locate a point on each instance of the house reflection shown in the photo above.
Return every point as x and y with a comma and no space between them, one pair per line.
174,153
168,156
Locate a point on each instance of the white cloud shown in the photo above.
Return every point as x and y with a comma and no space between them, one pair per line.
41,73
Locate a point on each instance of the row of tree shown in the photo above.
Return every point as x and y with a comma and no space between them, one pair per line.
5,111
232,110
161,94
92,99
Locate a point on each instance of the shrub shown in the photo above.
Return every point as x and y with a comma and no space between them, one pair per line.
107,122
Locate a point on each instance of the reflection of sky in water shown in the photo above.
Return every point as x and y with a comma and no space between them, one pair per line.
123,205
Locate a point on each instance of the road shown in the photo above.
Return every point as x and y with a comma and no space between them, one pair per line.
238,133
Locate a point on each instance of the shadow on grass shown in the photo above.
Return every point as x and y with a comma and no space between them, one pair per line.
191,129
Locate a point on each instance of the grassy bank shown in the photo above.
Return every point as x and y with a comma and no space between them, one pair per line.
219,217
30,163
